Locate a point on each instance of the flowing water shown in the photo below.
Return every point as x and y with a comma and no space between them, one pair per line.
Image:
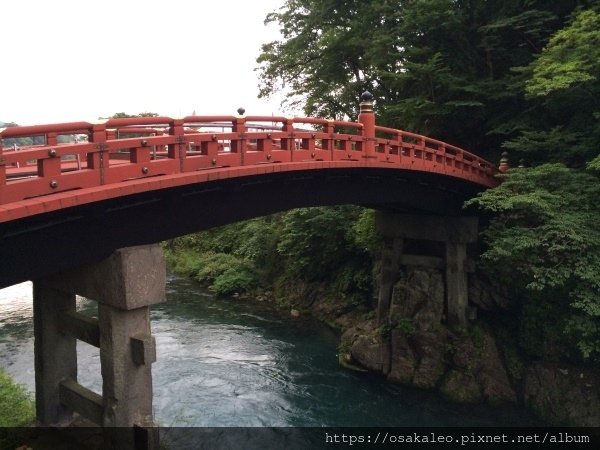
239,363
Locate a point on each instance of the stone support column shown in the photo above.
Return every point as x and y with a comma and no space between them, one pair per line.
456,284
55,352
455,233
390,264
124,285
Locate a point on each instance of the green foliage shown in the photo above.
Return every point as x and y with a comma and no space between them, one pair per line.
440,67
315,241
235,280
363,233
16,407
225,274
562,87
406,326
571,58
384,330
326,245
122,115
544,238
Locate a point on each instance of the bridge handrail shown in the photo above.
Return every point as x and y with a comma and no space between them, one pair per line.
123,149
429,144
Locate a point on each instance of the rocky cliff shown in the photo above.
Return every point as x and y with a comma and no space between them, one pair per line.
414,347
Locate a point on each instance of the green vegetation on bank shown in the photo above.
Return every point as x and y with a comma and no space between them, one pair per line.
329,247
16,407
490,76
16,410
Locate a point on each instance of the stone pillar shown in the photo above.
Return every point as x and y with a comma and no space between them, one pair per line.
455,233
124,285
390,264
55,353
456,284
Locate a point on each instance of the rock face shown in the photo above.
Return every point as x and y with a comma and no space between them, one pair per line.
416,349
424,353
562,394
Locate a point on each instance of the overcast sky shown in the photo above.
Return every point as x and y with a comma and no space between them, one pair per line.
79,60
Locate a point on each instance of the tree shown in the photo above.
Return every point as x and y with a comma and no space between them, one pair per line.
440,67
544,239
487,75
563,89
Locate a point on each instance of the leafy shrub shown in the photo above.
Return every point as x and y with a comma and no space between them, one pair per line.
16,407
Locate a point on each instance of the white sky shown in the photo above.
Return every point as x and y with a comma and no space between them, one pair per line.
73,60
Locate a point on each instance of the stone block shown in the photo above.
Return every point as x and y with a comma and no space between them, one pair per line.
143,349
130,278
429,228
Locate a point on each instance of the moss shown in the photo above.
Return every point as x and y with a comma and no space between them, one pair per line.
406,326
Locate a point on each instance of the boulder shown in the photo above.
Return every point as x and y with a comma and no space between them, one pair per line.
430,348
562,394
458,386
403,359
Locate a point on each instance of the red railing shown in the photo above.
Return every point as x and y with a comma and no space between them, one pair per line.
119,152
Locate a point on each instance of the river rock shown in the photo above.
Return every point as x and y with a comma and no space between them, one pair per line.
493,377
403,359
461,387
368,352
563,395
419,297
366,346
486,296
463,351
430,349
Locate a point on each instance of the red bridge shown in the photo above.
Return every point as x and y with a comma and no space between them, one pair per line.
139,180
74,217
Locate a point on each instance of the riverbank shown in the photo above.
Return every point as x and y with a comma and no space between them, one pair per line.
17,409
482,364
499,359
235,362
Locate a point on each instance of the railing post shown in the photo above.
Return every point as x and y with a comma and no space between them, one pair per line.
504,165
2,165
238,145
98,160
176,150
287,143
367,119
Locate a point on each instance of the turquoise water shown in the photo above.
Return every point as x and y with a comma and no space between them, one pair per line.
239,363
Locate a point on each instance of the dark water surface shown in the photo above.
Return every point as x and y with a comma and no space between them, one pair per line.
239,363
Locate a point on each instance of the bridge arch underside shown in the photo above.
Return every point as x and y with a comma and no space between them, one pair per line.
47,244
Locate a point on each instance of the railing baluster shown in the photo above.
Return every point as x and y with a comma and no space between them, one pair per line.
98,160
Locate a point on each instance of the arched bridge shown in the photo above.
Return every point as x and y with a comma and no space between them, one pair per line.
78,202
82,190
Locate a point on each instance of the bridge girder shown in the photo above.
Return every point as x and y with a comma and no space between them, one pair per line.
47,244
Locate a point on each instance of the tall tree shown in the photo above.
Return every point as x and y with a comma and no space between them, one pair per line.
440,67
563,89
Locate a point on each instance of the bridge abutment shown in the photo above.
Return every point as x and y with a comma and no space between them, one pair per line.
124,285
454,233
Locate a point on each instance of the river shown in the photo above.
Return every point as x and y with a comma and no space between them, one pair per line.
239,363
